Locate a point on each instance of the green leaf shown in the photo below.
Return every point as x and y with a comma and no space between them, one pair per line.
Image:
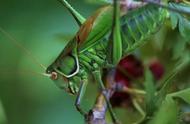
168,81
167,114
150,92
183,94
178,49
184,27
174,19
177,18
182,7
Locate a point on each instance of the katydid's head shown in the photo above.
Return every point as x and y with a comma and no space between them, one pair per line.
63,70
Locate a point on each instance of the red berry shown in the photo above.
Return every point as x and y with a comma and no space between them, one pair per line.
128,67
157,69
131,65
120,99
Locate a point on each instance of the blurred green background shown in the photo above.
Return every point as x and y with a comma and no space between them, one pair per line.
27,97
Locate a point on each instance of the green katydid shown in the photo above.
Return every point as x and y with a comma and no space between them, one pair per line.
89,51
102,40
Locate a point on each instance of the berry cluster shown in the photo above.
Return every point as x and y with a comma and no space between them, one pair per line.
129,69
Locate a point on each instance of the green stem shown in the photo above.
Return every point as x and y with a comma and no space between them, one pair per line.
133,91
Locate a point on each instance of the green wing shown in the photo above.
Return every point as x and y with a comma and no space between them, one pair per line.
95,28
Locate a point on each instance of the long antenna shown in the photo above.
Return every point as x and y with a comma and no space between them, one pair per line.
25,72
13,40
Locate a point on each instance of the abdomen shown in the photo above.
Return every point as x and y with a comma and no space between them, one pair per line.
139,24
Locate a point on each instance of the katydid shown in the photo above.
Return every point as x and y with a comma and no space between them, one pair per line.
102,40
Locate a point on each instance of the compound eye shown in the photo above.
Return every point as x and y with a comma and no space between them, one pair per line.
54,75
48,72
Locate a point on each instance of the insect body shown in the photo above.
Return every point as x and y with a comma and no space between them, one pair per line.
92,47
102,40
67,64
140,24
